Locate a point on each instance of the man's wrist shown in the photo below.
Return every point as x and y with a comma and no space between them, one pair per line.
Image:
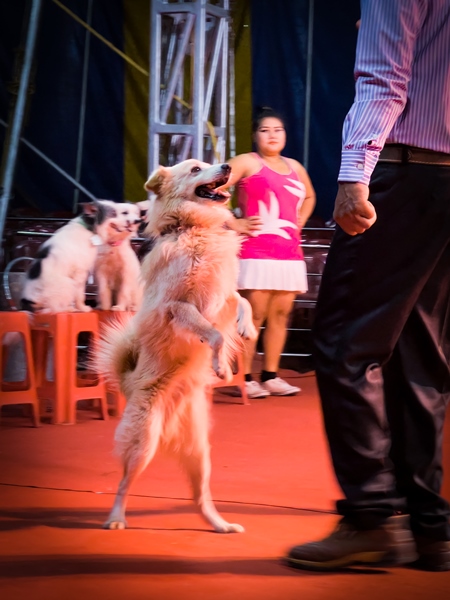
357,165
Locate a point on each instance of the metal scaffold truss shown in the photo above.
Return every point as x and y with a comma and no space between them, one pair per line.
189,81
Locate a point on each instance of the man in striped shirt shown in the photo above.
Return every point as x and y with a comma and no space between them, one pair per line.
382,328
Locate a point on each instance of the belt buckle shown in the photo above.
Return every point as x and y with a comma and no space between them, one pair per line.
407,154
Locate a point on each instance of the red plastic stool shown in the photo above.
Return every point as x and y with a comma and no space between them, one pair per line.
18,392
43,329
68,386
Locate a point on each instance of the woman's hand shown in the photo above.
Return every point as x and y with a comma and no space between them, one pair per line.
247,226
353,211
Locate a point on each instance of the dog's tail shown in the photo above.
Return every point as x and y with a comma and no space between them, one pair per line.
116,352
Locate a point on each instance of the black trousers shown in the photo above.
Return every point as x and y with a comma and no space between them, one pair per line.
382,350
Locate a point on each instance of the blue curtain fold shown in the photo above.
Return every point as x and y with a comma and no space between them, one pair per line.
279,47
279,63
53,117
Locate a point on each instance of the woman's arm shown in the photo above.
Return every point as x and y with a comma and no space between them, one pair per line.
242,166
308,204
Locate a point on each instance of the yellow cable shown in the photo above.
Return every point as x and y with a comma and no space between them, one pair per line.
100,37
135,65
212,133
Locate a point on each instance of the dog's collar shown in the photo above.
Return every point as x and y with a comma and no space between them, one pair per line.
96,240
83,223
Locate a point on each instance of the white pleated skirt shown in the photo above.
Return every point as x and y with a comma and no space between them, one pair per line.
269,274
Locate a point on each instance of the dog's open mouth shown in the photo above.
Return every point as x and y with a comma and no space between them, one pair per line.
209,191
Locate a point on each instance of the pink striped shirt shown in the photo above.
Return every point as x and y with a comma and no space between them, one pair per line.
402,73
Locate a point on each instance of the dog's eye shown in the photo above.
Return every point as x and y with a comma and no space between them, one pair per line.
195,169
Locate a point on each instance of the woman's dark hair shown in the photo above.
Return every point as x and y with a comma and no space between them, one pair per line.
262,112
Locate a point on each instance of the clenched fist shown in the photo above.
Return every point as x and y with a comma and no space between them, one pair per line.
352,209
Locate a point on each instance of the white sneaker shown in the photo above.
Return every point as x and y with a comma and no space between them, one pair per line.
279,387
255,390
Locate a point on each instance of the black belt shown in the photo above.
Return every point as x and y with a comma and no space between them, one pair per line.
399,153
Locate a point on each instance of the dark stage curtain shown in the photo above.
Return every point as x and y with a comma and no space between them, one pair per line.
279,41
279,55
53,117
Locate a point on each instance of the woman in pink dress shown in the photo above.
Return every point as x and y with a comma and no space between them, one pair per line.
275,197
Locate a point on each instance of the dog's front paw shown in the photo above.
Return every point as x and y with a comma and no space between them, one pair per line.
247,330
222,370
85,308
229,528
245,325
115,524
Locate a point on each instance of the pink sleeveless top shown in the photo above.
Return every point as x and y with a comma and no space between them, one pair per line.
276,198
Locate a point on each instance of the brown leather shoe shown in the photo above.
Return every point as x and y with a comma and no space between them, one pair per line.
390,544
433,555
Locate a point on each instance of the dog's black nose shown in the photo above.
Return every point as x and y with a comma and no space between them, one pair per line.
226,168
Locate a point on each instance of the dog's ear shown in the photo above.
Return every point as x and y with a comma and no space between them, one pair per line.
144,207
89,208
155,182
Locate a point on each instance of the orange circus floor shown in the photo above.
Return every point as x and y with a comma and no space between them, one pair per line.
271,473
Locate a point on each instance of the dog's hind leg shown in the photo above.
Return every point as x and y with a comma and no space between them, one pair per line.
197,462
104,293
198,466
138,437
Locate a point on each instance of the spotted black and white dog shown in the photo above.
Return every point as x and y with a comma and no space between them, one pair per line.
56,280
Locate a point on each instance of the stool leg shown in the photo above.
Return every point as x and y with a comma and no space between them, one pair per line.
35,411
74,392
103,399
39,340
71,404
118,402
47,390
26,394
61,362
104,406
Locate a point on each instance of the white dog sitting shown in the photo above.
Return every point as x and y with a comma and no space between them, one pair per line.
117,269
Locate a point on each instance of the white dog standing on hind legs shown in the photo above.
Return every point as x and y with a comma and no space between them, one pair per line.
187,329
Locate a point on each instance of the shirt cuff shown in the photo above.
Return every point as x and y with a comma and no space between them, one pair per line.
358,165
